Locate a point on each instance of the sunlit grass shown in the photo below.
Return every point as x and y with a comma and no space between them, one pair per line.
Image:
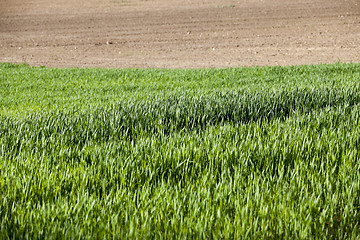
222,153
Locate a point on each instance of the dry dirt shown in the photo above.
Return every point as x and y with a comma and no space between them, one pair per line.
178,33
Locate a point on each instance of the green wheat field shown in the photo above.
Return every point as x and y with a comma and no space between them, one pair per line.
238,153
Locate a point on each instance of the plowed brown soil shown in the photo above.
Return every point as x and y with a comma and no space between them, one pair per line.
178,33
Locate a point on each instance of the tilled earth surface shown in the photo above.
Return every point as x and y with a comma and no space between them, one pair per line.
178,33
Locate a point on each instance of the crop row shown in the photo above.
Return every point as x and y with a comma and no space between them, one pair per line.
176,113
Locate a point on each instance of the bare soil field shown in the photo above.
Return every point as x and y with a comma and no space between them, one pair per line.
178,33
